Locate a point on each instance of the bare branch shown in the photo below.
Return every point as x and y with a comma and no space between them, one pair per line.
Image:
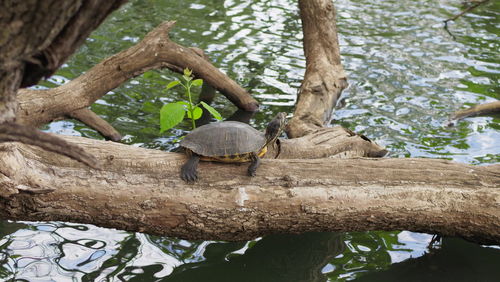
156,50
466,10
11,132
94,121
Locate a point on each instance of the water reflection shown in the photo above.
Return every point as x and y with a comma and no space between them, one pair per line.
454,260
60,251
408,75
273,258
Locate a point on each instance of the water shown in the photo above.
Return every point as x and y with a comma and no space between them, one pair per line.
407,75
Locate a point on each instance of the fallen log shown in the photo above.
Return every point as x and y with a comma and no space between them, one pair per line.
140,190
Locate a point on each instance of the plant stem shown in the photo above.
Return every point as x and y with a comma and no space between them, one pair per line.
188,91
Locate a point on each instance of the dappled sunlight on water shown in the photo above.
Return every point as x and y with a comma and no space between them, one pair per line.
408,75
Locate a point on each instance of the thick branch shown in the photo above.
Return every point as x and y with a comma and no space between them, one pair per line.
12,132
140,190
156,50
324,79
92,120
334,142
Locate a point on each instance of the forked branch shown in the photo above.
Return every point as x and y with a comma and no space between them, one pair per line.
156,50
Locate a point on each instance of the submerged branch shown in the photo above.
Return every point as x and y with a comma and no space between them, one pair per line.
94,121
478,110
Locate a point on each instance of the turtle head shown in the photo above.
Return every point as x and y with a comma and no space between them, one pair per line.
275,127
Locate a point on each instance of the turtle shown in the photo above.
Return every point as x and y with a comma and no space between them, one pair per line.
228,142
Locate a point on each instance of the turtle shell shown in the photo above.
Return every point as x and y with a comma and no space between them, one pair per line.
226,138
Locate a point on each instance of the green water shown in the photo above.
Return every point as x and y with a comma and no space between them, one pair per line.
406,75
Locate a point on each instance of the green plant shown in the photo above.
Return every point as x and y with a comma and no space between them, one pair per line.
172,114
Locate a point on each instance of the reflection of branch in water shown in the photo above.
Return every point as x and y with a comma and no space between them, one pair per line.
461,14
279,257
449,32
456,260
435,242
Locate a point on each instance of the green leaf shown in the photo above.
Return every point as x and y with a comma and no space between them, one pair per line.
171,115
212,111
172,84
197,112
187,72
197,82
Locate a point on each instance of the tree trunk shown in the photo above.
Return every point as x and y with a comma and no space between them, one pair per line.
10,79
324,79
140,190
39,35
36,38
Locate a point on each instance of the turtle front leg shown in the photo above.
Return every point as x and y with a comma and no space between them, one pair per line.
253,165
189,169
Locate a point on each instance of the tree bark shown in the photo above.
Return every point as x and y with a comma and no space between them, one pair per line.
333,142
42,34
10,79
94,121
324,79
140,190
36,37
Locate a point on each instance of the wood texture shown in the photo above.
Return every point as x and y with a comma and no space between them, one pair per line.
324,79
140,190
94,121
